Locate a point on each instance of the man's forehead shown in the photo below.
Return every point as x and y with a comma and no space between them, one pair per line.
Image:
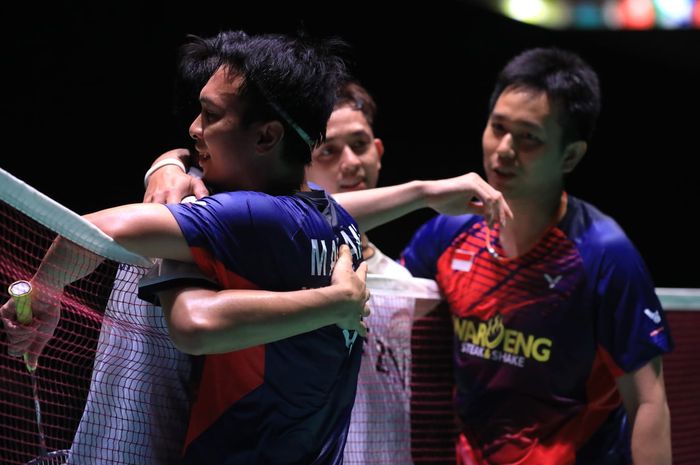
347,120
223,83
525,106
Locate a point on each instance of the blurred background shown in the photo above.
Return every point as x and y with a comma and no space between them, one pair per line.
89,88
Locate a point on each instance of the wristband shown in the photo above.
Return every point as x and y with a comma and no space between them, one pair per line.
159,164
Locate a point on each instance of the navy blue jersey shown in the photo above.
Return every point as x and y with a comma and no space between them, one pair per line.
539,339
286,402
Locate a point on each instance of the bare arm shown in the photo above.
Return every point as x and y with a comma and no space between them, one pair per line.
644,396
63,263
169,184
452,196
371,207
205,321
146,229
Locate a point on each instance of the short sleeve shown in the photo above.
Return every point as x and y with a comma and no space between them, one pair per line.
430,241
632,326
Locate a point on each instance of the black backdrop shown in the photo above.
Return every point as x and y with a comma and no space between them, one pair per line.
88,90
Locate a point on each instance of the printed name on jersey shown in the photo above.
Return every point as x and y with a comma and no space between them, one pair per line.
491,340
322,261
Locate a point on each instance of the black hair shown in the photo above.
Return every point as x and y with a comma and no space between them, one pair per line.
352,94
567,80
289,79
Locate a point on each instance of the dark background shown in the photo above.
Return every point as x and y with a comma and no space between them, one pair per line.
88,91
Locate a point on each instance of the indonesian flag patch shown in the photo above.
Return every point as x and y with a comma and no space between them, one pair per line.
462,260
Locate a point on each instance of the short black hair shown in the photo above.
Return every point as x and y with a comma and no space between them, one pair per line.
352,94
289,79
567,80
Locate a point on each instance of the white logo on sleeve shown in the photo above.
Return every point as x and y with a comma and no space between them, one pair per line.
553,281
654,316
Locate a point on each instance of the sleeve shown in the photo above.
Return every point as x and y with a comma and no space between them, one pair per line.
230,225
430,241
239,238
168,274
632,326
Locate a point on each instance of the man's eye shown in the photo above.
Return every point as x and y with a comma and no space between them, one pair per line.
208,115
498,128
324,152
530,137
360,147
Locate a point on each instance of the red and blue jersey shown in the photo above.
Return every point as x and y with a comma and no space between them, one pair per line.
539,339
286,402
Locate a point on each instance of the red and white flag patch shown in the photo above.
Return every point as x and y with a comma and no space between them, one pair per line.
462,260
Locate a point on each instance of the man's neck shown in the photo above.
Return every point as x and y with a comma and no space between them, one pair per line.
532,218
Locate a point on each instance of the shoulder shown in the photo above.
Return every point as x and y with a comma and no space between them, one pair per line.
319,203
431,240
602,243
443,228
229,201
242,209
592,229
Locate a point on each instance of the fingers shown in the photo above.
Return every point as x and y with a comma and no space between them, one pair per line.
502,212
17,334
362,271
19,337
362,329
357,306
199,189
31,356
30,343
342,270
366,310
493,206
344,253
170,185
29,339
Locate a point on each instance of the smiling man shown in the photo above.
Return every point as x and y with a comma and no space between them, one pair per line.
556,361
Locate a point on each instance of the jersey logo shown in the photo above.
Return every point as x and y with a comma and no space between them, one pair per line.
462,260
193,199
349,341
553,281
654,316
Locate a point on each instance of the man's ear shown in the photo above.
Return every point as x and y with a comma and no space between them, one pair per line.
573,153
270,134
379,146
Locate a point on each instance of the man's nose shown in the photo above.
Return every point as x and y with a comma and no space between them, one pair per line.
506,147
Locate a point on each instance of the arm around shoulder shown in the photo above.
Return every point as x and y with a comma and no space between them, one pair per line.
146,229
167,181
468,193
203,321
